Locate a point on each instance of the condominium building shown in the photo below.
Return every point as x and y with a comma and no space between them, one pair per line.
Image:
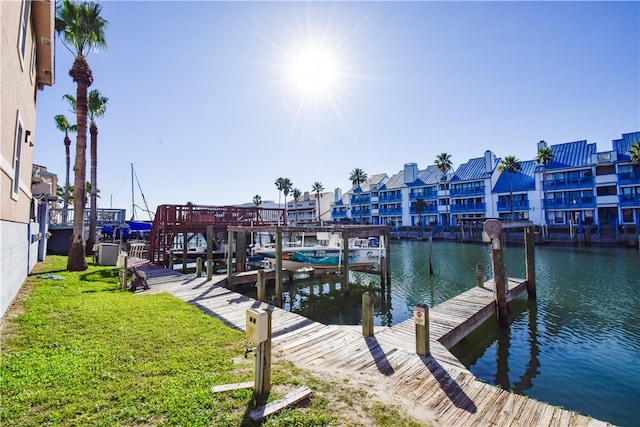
580,186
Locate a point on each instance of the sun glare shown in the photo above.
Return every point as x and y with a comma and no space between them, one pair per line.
314,72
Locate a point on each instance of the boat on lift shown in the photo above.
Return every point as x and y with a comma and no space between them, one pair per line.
326,253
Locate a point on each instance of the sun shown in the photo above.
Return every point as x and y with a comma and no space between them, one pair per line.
314,71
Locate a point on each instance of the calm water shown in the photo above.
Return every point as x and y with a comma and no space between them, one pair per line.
577,346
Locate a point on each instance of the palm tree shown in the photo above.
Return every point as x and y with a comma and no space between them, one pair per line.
286,189
444,164
419,206
296,194
81,29
634,151
357,177
97,106
318,188
543,158
257,200
63,125
280,186
512,165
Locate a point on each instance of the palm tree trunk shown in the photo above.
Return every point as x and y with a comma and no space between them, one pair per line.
65,206
511,198
81,74
93,201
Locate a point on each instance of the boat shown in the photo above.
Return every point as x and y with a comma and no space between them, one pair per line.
326,253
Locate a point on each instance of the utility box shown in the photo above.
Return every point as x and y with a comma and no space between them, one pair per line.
257,321
108,253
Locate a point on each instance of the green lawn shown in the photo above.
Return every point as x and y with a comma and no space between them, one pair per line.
81,351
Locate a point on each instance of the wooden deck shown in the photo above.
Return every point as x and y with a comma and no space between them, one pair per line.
438,383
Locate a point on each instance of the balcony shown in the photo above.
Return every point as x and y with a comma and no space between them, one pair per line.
467,191
627,178
570,203
468,208
390,198
360,200
568,183
427,210
630,200
338,214
424,195
518,205
391,212
103,217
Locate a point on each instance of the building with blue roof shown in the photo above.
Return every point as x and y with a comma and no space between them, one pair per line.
518,189
470,195
580,187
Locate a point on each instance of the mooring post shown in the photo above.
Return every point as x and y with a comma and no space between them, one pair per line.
500,280
209,269
430,252
367,314
421,319
529,242
209,242
241,251
345,257
261,285
480,274
493,230
229,258
184,252
278,266
198,266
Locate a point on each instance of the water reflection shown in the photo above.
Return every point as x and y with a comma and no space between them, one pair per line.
573,347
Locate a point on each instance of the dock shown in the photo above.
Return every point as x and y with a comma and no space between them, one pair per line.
438,383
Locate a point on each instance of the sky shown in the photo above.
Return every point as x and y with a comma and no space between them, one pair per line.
213,101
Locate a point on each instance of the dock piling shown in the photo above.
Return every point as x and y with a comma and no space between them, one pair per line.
421,319
480,274
531,262
367,314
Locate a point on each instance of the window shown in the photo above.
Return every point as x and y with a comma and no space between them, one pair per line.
627,215
22,31
17,151
32,68
609,190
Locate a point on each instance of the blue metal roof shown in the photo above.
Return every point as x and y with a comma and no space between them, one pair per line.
473,170
523,180
571,155
430,176
623,144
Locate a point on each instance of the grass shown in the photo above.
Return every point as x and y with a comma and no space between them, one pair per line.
81,351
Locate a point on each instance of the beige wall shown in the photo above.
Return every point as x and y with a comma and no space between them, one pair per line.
18,92
19,78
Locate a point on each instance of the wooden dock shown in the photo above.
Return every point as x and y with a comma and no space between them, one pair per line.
438,384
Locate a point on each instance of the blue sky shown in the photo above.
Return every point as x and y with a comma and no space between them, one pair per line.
212,101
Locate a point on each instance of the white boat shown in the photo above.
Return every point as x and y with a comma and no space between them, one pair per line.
326,253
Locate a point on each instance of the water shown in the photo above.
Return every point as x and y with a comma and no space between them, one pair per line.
577,346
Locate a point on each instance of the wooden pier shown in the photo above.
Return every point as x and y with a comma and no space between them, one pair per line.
437,383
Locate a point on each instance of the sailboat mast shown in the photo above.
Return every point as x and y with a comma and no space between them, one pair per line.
133,201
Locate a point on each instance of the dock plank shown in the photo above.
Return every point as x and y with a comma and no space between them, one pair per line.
438,382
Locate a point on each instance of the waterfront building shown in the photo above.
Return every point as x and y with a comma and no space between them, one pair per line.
579,187
308,208
470,190
27,64
568,184
628,174
390,198
518,189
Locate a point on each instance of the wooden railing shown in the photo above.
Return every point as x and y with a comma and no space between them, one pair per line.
170,220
